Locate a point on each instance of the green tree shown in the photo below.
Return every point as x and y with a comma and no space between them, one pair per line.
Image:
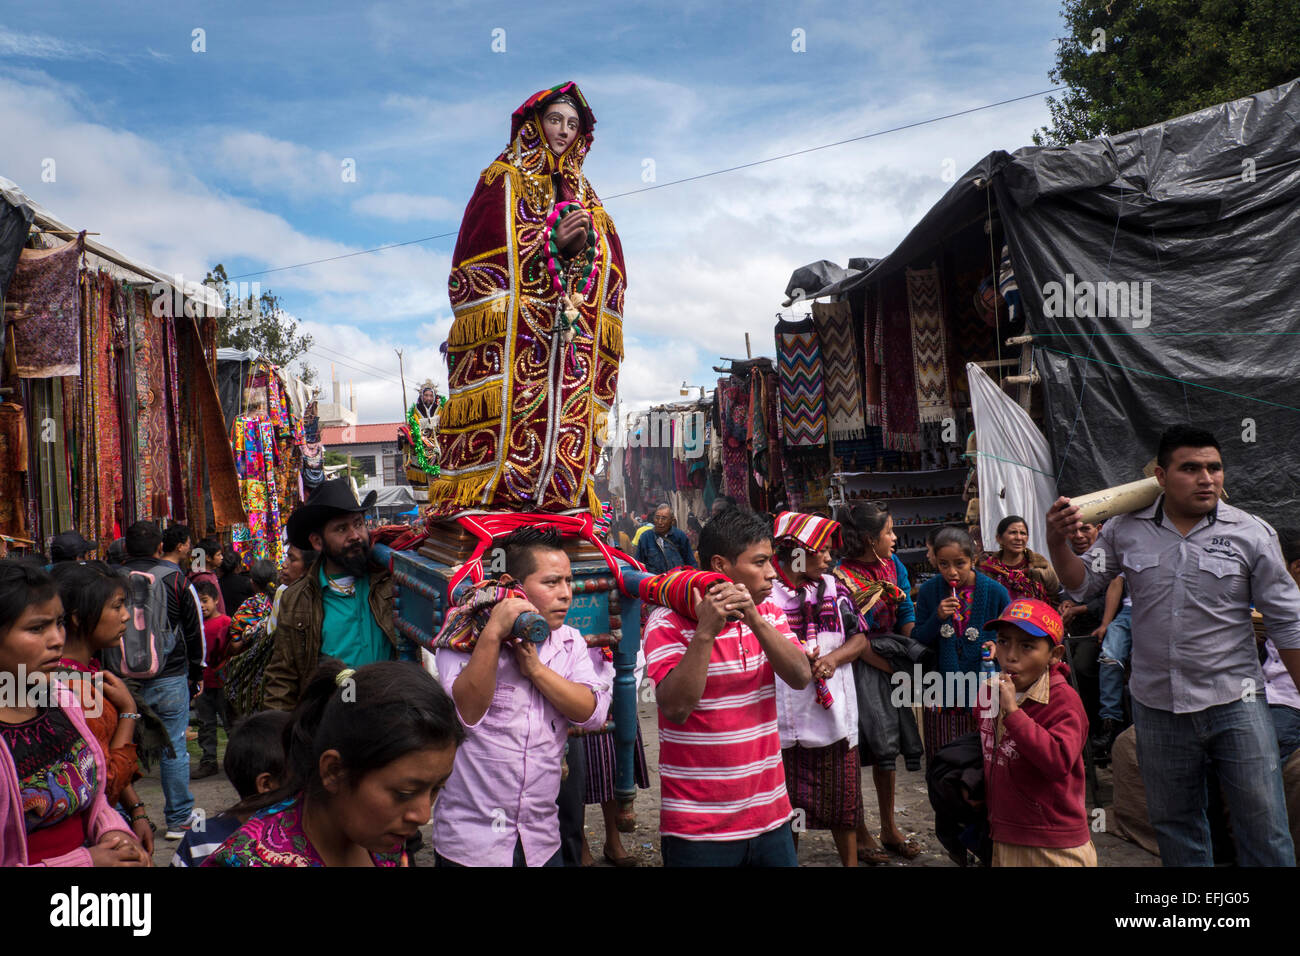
257,323
333,458
1130,63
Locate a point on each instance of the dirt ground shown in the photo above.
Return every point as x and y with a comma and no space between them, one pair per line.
816,848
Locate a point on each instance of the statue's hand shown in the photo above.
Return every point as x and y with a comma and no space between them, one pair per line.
571,232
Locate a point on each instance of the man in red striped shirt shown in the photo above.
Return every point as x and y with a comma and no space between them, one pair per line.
724,799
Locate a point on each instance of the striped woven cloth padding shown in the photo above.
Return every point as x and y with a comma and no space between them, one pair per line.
929,345
812,531
799,367
834,321
469,615
679,589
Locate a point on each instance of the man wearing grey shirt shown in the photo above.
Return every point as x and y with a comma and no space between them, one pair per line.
1194,566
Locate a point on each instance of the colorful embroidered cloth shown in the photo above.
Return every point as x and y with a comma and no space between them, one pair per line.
834,322
520,427
929,345
249,613
899,425
1016,580
257,463
57,775
799,367
274,837
47,332
874,590
469,615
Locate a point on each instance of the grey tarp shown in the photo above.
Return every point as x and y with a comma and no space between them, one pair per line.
15,223
1205,208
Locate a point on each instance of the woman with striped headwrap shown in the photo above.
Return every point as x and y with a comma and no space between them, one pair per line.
819,724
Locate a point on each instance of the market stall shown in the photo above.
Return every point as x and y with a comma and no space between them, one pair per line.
111,412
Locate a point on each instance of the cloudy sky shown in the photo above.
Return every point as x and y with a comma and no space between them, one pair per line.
234,154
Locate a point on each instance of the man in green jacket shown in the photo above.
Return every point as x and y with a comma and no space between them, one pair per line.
341,608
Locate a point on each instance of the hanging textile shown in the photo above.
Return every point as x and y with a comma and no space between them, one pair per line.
253,439
756,429
124,376
871,362
47,322
929,345
775,454
799,365
898,420
735,458
834,322
175,450
103,415
151,402
13,468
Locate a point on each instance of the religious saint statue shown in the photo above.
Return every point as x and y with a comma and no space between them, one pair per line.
537,298
418,439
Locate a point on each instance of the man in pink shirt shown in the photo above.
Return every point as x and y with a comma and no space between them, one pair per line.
724,795
517,700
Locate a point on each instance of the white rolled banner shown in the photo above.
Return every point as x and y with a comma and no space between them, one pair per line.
1122,499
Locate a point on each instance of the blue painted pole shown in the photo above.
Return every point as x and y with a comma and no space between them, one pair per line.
625,695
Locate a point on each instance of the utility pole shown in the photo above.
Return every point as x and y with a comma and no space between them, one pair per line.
402,374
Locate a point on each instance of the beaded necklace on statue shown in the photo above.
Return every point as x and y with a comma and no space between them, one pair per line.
566,310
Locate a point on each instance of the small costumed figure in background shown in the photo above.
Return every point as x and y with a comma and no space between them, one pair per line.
419,439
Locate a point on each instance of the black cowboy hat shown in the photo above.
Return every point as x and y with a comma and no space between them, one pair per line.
330,500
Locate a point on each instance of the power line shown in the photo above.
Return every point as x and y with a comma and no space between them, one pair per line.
688,179
343,356
842,142
355,368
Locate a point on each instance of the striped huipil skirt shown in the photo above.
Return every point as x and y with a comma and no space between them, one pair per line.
602,760
826,784
940,726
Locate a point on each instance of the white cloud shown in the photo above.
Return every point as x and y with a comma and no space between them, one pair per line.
405,207
707,261
274,165
40,46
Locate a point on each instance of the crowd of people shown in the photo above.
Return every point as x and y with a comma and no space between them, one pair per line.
787,652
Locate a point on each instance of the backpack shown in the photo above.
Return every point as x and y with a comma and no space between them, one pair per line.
149,636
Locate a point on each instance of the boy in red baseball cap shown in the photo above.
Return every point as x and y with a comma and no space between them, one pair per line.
1033,746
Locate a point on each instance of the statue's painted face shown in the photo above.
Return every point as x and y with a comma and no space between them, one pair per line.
427,396
560,126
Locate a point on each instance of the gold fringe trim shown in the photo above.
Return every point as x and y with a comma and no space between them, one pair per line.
600,219
467,408
461,492
476,324
593,501
611,335
495,171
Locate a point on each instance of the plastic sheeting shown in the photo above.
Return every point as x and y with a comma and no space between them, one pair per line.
1014,462
15,224
1195,221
